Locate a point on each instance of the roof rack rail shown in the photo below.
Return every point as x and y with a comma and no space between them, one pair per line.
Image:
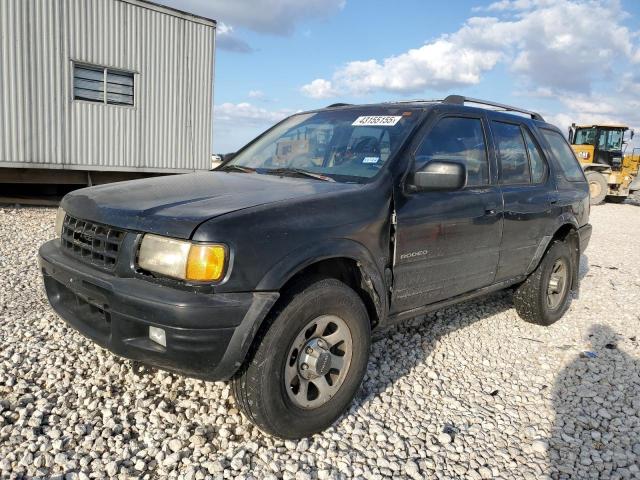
335,105
461,100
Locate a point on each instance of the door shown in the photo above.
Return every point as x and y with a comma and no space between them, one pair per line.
526,189
448,242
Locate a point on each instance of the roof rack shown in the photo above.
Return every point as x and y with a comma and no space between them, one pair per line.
336,105
461,100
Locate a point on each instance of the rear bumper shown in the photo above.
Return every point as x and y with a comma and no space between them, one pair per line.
584,233
207,335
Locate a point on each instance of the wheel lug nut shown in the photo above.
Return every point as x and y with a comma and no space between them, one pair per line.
309,350
304,366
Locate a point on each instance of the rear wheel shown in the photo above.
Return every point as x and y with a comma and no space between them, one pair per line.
597,187
309,364
545,295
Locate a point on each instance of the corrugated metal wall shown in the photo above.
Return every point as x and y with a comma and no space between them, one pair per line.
42,126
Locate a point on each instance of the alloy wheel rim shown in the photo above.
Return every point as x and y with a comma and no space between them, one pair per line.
318,361
595,189
558,283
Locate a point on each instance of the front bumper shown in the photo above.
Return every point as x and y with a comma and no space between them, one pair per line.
208,335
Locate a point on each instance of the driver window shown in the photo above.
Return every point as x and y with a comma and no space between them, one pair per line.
460,140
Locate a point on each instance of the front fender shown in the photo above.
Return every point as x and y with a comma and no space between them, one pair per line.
303,257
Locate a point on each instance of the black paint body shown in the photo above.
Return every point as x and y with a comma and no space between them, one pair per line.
444,247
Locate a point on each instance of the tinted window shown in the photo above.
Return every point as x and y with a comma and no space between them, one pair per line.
514,166
457,139
563,153
538,165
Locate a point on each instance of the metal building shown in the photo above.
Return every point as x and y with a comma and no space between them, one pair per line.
93,87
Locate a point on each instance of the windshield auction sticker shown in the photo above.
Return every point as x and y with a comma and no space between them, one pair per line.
384,120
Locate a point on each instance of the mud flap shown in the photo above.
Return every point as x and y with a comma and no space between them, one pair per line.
574,241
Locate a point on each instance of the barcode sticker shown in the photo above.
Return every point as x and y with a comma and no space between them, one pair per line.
384,120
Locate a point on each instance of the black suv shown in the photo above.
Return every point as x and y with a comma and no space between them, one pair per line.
272,270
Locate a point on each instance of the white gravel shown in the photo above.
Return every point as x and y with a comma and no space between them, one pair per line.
469,392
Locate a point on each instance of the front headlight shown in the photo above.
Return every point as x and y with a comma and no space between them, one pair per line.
182,259
59,222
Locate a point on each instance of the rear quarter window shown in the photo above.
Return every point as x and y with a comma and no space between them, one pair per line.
512,153
562,151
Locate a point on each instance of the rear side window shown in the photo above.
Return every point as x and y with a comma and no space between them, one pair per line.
563,153
538,165
457,139
512,153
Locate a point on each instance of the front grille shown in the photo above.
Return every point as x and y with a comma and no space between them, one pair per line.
92,242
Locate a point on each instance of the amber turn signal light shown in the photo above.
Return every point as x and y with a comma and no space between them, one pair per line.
206,263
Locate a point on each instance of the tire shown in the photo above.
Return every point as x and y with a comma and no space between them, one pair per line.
617,199
266,388
598,187
531,298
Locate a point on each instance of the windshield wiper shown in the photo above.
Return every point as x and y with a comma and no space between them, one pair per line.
237,168
297,171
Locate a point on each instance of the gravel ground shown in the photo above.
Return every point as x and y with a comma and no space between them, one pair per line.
468,392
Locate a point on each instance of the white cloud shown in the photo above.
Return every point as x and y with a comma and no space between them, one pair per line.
621,107
510,5
257,94
278,17
559,44
247,112
319,88
226,39
235,124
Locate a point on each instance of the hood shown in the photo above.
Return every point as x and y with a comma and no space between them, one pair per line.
175,205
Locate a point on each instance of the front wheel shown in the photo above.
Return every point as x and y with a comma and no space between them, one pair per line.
309,363
598,187
545,295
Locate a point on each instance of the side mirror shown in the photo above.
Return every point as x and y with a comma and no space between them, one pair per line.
440,175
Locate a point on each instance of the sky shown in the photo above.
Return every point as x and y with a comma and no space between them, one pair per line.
571,60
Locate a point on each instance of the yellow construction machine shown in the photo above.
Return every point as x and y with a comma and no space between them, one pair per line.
600,149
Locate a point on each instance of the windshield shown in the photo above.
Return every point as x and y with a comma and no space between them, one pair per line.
608,140
344,145
585,136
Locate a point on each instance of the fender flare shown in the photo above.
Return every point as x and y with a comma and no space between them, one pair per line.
303,257
596,167
561,221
